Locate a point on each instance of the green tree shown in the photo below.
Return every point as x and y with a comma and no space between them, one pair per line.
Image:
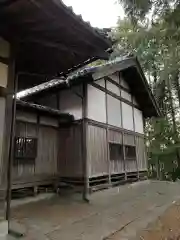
152,32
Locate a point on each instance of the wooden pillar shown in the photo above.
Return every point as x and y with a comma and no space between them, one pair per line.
123,145
135,141
107,137
145,146
124,155
84,145
7,80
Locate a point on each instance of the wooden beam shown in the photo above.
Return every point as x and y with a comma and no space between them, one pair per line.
107,136
118,85
118,129
3,92
114,95
112,68
4,60
84,145
134,126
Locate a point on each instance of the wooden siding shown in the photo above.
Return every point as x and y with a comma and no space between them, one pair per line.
116,167
26,117
24,168
45,163
131,165
47,121
97,151
129,139
141,154
115,137
70,154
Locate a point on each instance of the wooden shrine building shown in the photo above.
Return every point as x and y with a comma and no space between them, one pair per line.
39,40
104,143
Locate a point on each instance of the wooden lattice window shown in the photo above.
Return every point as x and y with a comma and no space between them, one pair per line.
116,151
130,152
25,147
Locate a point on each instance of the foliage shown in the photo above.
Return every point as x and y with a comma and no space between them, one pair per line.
151,31
162,145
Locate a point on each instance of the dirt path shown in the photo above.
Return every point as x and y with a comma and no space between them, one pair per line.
167,227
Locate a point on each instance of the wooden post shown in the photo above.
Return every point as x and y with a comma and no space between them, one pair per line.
107,136
124,156
11,150
8,122
6,119
84,145
135,141
124,152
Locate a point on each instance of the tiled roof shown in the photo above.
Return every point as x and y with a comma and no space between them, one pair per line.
72,76
45,109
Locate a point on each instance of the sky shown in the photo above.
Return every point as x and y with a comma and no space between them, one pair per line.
100,13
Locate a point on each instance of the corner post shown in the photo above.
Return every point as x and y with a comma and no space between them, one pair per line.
135,142
84,145
7,82
107,137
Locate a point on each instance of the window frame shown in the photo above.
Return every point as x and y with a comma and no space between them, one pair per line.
119,157
22,150
132,155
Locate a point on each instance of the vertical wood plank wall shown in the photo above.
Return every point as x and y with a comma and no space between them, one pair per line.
24,168
97,151
141,154
46,163
60,152
47,157
70,154
116,167
131,165
111,106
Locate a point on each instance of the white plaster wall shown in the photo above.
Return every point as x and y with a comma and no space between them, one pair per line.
126,95
113,88
123,83
114,111
96,109
49,101
101,82
4,48
127,113
138,119
115,77
69,102
135,101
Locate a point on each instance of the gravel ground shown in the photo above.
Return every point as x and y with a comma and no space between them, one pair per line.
117,213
